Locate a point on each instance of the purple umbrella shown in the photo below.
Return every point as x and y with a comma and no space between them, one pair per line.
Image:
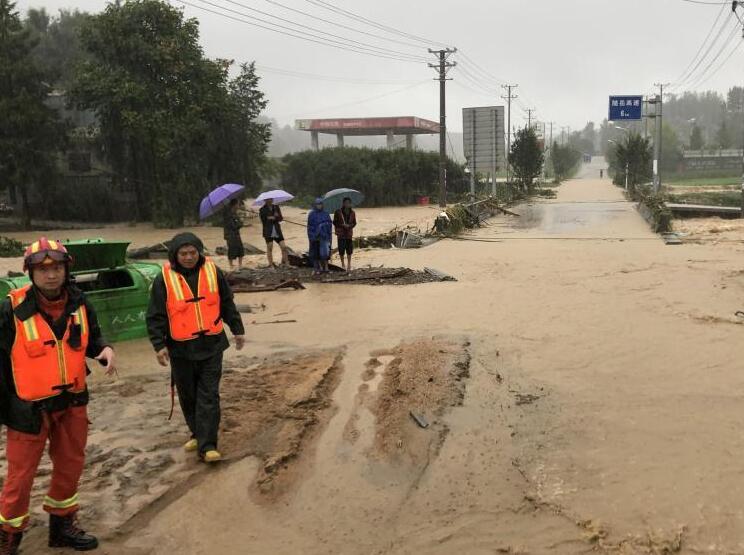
218,198
277,195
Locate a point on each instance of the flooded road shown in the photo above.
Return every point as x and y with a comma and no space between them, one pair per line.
601,402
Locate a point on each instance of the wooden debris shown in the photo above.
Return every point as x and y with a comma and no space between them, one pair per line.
252,288
419,419
441,276
274,322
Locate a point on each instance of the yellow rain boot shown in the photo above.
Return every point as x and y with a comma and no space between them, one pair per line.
191,445
212,456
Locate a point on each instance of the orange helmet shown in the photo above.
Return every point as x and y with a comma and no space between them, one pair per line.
43,249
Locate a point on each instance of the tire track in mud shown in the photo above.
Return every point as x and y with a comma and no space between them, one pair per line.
272,409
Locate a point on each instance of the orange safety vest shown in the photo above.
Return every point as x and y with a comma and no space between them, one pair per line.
190,316
44,366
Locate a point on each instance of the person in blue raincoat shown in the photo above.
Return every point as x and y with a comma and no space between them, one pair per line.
319,233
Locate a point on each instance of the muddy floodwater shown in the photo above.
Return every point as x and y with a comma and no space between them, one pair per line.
581,387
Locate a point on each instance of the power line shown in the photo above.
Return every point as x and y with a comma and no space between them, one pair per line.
727,42
713,3
689,77
702,45
331,78
336,23
361,101
722,65
296,34
302,26
367,21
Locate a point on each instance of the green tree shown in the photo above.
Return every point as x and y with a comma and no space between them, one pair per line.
696,138
724,137
386,177
671,154
565,160
526,158
58,50
171,123
30,132
634,156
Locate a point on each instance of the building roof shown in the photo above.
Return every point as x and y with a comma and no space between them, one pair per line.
405,125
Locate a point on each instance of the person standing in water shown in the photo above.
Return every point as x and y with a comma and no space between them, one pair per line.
344,220
47,330
231,225
190,303
271,218
319,233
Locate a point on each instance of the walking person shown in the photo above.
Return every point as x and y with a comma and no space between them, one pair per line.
271,218
47,329
189,303
319,233
231,226
344,220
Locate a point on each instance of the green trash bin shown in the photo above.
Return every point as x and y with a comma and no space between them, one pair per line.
118,290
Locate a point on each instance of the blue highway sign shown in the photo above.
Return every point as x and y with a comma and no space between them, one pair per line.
626,108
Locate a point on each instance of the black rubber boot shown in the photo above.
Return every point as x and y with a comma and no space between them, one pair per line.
9,542
65,532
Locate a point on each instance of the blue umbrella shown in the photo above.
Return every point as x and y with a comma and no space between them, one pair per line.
217,199
333,200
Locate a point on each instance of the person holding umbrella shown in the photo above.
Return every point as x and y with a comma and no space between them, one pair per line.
344,220
271,218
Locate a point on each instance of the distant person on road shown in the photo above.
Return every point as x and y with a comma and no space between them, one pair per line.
344,220
601,174
320,234
271,218
190,303
231,227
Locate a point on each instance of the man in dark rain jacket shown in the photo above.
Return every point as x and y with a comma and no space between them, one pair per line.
189,303
47,329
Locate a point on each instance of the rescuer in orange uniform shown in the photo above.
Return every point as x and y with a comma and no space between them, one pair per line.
189,304
47,329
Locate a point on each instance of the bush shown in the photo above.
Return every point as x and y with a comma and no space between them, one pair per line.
10,248
386,177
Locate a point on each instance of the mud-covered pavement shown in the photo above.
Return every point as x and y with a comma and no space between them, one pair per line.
582,382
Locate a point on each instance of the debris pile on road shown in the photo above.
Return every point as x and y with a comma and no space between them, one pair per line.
255,280
156,251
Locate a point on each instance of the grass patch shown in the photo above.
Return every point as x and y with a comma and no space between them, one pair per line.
704,181
709,198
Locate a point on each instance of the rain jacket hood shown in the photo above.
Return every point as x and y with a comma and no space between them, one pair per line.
319,224
181,240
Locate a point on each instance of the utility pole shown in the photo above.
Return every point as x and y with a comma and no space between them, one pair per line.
509,97
551,132
657,142
530,111
736,4
442,67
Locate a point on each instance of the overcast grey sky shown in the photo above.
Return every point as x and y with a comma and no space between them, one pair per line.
566,55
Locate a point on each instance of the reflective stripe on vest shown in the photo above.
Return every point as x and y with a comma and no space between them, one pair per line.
44,366
190,316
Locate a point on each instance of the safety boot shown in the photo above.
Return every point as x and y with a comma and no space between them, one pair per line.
65,532
9,542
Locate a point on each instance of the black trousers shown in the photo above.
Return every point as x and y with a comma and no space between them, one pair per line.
198,386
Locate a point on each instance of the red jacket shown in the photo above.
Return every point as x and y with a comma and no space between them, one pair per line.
339,219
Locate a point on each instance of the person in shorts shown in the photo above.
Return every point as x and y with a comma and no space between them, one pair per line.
271,218
344,220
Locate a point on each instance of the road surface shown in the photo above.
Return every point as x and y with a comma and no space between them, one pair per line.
603,412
